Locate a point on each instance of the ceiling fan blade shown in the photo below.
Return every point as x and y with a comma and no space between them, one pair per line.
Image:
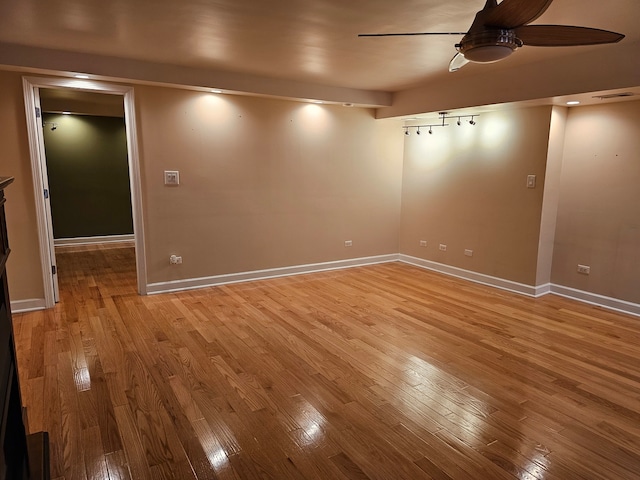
408,34
514,13
457,62
564,35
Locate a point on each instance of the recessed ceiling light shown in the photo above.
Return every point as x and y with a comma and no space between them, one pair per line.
66,113
318,102
84,77
216,90
347,104
573,102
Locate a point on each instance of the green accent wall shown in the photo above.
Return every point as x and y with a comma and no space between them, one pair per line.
88,175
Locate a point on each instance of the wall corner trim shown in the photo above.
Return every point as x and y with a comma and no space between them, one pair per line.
30,305
541,290
476,277
193,283
597,300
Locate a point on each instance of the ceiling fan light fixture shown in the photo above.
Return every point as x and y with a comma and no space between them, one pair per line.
489,46
487,53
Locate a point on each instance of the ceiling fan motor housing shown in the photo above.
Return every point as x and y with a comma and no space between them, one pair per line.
489,46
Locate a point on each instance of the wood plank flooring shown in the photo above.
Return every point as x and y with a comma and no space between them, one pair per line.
378,372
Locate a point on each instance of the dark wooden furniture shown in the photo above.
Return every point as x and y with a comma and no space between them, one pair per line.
15,456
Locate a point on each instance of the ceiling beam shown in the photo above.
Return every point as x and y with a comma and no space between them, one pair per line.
101,67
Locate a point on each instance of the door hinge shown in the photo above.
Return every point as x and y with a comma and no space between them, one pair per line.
46,193
54,270
37,112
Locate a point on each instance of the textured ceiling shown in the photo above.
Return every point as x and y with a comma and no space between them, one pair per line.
313,41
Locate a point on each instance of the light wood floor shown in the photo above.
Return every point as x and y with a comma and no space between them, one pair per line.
381,372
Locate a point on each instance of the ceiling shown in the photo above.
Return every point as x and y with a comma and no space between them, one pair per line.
308,41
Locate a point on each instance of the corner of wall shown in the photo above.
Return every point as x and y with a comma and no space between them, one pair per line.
551,195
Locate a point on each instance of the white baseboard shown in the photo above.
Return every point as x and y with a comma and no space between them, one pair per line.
537,291
476,277
542,290
58,242
193,283
21,306
596,299
529,290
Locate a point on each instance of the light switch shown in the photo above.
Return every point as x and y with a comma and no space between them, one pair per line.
531,181
171,177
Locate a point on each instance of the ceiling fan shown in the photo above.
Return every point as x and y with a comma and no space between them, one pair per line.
499,29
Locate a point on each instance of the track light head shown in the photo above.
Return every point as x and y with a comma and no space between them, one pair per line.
53,127
418,131
430,131
472,122
406,132
458,122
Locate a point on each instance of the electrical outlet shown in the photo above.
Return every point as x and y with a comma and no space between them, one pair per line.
423,243
443,247
468,253
584,269
171,177
348,243
175,260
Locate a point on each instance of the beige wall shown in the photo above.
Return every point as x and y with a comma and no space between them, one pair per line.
264,183
465,187
23,268
599,210
269,183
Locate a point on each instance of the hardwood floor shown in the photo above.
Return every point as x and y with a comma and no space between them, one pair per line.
381,372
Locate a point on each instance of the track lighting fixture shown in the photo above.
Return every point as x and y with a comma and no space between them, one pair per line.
53,125
443,117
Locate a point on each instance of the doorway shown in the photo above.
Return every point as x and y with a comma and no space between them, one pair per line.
33,86
87,167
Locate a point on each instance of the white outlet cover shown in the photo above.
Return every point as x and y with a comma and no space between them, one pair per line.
468,253
171,177
423,243
443,247
584,269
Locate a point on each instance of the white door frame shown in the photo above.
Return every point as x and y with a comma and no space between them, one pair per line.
40,183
